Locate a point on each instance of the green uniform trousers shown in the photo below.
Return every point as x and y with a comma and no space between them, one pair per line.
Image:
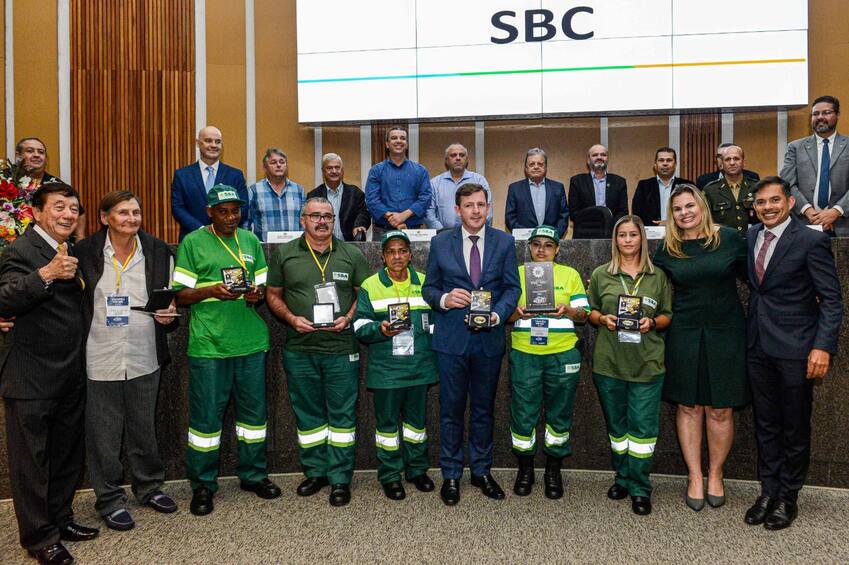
632,412
211,383
323,391
536,379
394,454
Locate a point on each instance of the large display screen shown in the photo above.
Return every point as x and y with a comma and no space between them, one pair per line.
432,59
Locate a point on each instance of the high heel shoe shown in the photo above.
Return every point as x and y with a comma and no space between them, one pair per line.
716,501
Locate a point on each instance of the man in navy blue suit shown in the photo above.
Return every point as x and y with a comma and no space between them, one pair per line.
536,200
471,256
192,183
795,311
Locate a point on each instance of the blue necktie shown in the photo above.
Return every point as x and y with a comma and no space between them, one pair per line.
210,178
822,196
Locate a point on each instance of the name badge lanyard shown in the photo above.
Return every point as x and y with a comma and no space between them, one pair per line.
321,268
636,285
240,259
123,267
398,292
629,336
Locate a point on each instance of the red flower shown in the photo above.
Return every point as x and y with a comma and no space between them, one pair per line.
8,191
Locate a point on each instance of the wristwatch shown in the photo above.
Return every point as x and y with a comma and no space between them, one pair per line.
653,323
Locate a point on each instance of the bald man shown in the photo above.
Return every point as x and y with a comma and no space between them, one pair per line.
192,183
598,188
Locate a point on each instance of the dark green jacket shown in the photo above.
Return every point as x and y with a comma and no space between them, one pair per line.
725,210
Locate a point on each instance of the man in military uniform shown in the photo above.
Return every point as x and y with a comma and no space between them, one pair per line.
401,365
730,198
545,368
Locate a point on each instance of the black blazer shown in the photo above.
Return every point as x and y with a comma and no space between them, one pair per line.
708,178
157,267
42,355
519,209
352,211
582,194
646,203
799,305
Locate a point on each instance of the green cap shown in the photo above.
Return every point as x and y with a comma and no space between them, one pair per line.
221,193
392,235
545,231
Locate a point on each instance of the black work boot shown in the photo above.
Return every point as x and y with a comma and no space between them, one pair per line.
525,477
552,479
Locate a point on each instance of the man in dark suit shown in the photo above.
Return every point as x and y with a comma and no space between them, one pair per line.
536,200
598,188
192,183
716,175
348,201
652,195
795,310
42,377
471,256
817,169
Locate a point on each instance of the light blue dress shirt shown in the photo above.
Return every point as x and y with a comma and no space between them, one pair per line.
335,199
665,192
600,187
538,197
441,213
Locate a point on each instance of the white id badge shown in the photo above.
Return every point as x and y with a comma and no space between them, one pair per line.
326,294
117,310
629,337
403,343
539,331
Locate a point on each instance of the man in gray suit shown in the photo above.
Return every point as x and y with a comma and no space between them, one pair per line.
817,169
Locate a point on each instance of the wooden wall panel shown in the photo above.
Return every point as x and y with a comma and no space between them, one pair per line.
345,142
755,132
633,141
132,101
700,134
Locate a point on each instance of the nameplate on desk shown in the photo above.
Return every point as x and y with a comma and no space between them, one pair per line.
282,236
815,227
655,232
420,235
522,234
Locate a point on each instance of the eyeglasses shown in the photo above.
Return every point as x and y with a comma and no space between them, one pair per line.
824,114
316,217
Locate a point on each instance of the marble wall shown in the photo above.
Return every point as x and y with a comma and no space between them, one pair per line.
829,464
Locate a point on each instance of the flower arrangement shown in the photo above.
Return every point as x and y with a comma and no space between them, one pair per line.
15,197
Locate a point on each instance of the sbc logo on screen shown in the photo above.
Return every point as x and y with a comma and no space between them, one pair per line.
539,29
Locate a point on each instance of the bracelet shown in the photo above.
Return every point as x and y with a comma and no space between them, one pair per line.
652,323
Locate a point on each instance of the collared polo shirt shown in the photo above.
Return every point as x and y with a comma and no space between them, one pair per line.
635,362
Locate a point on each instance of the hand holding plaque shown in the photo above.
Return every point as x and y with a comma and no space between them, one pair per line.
399,316
628,314
539,287
480,310
322,316
235,279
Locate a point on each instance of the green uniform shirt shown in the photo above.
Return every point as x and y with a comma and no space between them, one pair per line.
636,362
734,213
293,268
221,328
386,370
568,289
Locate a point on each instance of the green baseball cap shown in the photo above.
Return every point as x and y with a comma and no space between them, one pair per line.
392,235
221,193
545,231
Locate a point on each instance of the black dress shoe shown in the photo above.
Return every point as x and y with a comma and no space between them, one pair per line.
76,532
781,516
756,515
55,554
641,505
552,479
161,502
263,489
340,495
201,502
450,492
312,485
525,476
617,492
488,486
394,490
423,483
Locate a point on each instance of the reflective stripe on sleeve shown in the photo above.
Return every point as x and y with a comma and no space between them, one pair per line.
311,438
250,434
360,323
383,304
341,437
641,448
386,441
185,278
579,301
413,435
619,444
200,441
261,276
523,443
553,438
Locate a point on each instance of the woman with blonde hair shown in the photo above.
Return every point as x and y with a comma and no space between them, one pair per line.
706,342
628,366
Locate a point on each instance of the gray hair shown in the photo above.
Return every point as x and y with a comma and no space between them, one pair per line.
273,151
725,149
450,145
536,151
316,200
330,157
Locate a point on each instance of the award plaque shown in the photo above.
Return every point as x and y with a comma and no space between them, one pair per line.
539,287
399,316
480,310
235,279
628,313
322,316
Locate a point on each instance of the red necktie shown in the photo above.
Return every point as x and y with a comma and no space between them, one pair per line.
759,262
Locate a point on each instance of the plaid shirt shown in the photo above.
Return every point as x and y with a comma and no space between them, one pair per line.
269,211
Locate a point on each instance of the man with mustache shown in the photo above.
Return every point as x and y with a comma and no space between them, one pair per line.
817,169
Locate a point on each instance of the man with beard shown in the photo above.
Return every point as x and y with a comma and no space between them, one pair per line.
598,188
817,169
441,213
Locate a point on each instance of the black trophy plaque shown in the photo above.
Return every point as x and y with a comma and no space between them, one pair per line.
235,279
399,316
480,310
539,287
629,312
322,316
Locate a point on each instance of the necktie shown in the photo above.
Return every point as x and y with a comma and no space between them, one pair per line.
822,196
759,262
475,261
62,249
210,178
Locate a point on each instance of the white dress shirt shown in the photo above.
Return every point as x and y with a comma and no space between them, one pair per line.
665,193
777,230
50,241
